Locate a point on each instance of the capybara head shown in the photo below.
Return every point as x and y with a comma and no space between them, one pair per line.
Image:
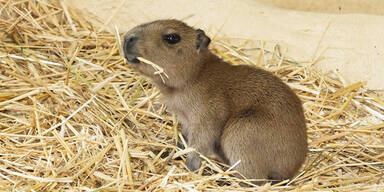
170,44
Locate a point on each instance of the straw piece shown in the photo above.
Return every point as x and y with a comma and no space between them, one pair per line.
182,152
93,160
348,89
303,88
39,179
69,117
67,15
158,70
225,56
62,142
33,60
165,179
34,92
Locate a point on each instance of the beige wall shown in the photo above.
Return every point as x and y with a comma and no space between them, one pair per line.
331,6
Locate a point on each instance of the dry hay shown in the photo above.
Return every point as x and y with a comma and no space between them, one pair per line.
74,117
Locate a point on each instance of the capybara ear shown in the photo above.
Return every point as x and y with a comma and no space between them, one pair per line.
202,40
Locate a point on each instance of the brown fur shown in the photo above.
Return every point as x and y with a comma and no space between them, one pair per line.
228,112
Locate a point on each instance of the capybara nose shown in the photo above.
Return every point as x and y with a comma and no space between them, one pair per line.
129,42
128,47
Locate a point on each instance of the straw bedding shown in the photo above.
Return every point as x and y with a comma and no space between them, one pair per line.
74,117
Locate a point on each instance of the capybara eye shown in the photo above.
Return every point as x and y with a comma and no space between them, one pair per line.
171,38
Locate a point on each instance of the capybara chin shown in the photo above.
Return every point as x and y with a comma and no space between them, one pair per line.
227,112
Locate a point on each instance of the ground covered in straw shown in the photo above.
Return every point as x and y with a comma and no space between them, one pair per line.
74,117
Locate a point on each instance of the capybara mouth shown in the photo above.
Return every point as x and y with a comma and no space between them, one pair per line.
132,58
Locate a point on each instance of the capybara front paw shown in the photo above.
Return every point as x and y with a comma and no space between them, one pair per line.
193,161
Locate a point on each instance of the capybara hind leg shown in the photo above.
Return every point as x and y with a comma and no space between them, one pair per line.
238,144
